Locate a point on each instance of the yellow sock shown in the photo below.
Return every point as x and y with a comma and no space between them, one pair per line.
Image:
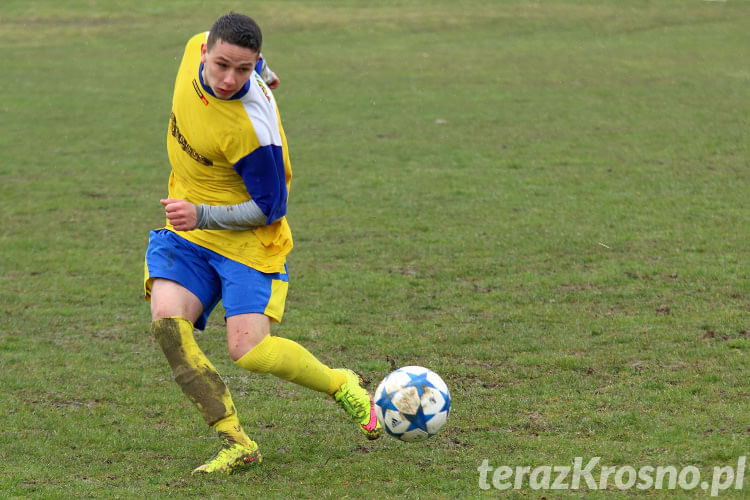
287,359
229,427
197,377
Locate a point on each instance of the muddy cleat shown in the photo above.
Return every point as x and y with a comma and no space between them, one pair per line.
231,458
354,398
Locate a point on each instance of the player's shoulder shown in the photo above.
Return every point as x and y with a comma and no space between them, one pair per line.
197,39
192,51
260,107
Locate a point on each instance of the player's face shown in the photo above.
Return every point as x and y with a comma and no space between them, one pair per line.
227,67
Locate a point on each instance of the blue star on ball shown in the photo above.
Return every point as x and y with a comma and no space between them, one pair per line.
419,381
385,402
418,420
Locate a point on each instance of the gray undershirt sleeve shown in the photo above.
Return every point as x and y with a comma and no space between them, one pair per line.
239,217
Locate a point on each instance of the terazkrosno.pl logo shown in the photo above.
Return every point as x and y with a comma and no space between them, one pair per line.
593,476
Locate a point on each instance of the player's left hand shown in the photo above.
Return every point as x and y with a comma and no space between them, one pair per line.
181,214
274,81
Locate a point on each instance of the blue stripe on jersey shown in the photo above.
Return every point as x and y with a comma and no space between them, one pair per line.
259,65
264,176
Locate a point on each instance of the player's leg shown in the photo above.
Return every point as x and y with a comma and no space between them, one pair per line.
174,310
252,301
203,385
254,349
182,295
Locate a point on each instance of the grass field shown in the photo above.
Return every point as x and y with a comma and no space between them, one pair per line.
545,202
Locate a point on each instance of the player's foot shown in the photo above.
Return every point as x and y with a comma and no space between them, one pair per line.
358,403
231,458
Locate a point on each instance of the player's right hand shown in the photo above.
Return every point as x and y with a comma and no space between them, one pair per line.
181,214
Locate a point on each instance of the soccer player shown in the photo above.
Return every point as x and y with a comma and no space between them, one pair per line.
226,238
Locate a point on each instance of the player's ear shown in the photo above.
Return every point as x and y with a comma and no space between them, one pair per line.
204,51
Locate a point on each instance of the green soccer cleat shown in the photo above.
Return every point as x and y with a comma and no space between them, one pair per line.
231,458
358,403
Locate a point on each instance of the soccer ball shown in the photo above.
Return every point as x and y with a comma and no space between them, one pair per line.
412,403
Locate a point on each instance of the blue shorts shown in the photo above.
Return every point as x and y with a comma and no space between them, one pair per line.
212,277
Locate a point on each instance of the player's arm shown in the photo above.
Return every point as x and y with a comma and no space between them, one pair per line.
241,216
263,174
186,216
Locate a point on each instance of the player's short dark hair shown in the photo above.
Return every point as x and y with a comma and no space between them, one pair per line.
236,29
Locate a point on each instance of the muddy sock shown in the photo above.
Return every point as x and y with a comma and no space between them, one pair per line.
197,377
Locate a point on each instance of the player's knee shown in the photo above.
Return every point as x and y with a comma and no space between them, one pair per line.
162,309
239,347
236,353
245,332
169,299
252,354
158,313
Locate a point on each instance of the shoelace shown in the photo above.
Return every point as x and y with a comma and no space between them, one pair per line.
359,408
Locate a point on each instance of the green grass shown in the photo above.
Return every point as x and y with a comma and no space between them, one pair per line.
545,202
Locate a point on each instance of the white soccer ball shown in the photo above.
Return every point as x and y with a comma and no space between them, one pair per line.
412,403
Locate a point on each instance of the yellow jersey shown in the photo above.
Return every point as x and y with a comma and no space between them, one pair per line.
225,152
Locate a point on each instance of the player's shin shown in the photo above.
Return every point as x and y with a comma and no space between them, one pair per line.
198,378
287,359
